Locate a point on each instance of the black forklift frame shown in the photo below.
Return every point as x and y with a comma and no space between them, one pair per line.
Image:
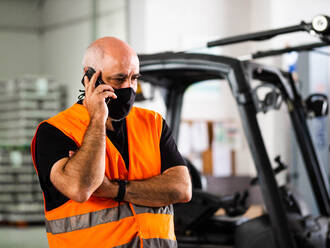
175,72
320,26
274,52
259,36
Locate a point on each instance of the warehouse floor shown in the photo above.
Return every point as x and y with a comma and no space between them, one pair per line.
35,237
27,237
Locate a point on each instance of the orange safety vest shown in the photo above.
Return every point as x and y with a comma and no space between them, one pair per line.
102,222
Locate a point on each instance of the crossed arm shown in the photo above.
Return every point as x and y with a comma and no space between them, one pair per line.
172,186
82,175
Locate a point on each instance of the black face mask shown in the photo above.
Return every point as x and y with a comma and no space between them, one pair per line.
120,107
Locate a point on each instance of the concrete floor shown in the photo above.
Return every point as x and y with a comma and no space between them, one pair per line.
27,237
35,237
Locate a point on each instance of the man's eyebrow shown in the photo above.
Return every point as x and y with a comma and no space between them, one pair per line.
118,75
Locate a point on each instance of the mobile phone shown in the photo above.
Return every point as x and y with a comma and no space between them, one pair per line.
89,73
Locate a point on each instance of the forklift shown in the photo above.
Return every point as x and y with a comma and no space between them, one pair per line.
285,224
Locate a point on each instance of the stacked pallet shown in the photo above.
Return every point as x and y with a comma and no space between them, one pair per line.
24,102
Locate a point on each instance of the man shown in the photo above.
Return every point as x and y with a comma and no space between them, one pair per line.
109,172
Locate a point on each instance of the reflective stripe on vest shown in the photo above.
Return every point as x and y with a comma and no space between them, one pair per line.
103,216
164,243
82,221
162,210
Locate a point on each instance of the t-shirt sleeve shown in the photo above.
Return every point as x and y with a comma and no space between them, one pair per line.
170,156
51,145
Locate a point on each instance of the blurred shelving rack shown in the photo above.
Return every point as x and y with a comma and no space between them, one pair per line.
24,103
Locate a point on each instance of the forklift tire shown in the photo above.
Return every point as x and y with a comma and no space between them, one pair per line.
255,233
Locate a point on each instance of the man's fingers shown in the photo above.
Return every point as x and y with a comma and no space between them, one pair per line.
86,82
93,80
103,87
104,91
107,94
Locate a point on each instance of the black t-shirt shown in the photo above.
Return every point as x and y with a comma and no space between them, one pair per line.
53,145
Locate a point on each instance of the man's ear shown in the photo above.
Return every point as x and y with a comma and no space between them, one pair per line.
85,69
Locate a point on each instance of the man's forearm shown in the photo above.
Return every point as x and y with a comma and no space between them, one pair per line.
89,161
84,171
158,191
168,188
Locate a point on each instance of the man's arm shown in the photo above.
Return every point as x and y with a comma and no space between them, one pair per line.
172,186
79,176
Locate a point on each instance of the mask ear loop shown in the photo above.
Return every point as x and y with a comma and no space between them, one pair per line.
82,92
82,95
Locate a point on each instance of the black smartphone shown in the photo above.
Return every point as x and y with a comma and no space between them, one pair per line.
89,73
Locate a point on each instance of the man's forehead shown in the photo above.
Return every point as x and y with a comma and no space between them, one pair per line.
123,63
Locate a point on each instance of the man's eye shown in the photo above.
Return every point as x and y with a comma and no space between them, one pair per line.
120,80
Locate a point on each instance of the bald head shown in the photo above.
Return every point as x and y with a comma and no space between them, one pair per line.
108,50
117,61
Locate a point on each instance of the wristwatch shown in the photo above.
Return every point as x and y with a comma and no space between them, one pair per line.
121,190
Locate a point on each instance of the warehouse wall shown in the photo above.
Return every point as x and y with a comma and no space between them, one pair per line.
69,27
19,39
176,25
50,37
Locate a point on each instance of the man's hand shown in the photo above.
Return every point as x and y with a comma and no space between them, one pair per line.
95,98
78,176
173,186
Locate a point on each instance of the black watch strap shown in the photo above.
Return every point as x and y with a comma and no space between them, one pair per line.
122,190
